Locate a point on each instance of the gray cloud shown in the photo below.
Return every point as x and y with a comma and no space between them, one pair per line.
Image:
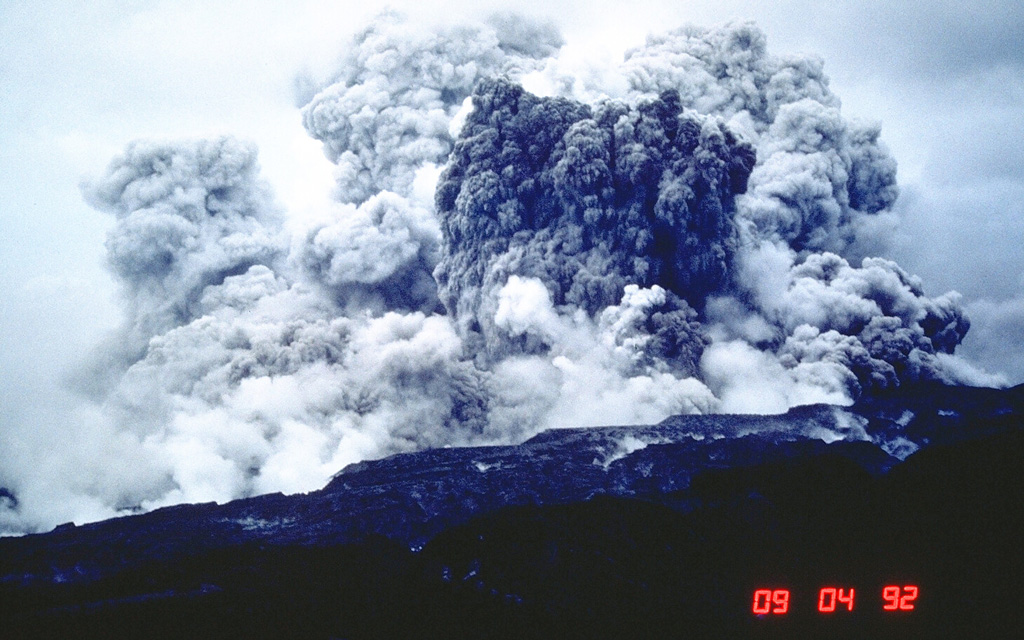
387,111
380,255
959,220
944,39
188,216
997,335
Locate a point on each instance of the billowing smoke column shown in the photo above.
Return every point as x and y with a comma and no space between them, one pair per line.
686,232
588,202
817,201
388,111
817,175
386,122
188,216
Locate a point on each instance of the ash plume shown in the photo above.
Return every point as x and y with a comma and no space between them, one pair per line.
387,111
589,202
514,246
817,176
188,215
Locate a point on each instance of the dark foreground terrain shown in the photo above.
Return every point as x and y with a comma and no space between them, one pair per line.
662,531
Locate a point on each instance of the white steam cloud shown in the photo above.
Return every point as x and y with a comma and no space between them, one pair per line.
689,231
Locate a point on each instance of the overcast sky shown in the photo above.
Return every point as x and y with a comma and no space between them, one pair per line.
80,80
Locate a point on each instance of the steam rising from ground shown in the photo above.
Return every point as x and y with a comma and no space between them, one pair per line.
689,231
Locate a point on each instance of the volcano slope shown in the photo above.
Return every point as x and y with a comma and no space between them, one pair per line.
665,530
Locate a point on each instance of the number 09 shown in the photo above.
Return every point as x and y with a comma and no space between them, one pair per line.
769,601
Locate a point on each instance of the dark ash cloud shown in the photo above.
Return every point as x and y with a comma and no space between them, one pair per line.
588,201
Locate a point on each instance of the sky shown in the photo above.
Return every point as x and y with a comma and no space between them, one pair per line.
78,81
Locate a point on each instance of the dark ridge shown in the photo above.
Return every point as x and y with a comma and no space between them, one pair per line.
643,532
